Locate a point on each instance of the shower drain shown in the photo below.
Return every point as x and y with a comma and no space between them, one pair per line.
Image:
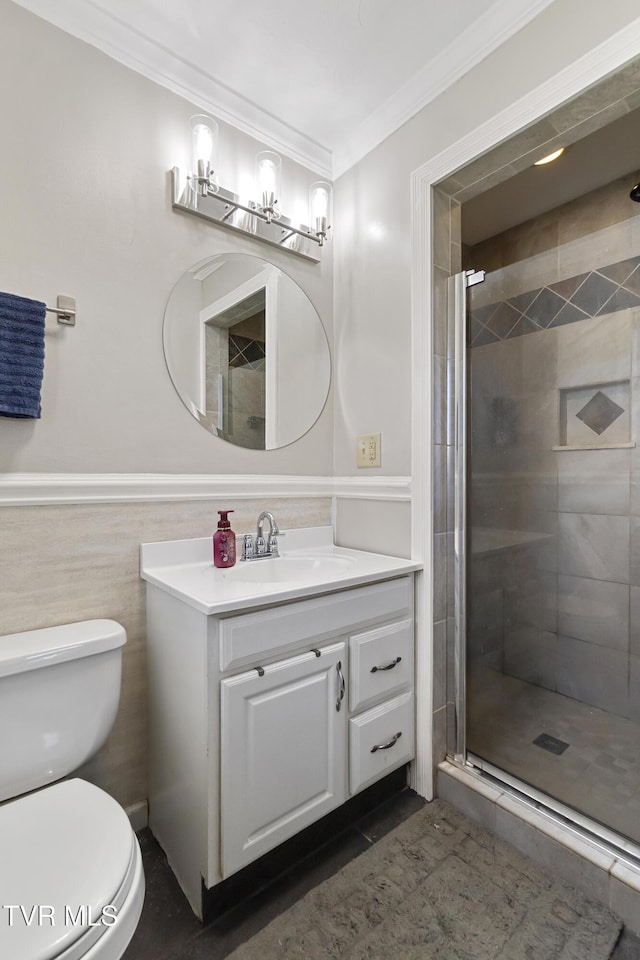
552,744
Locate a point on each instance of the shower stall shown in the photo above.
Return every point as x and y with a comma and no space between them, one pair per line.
547,522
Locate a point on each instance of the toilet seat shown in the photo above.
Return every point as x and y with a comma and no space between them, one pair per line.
67,852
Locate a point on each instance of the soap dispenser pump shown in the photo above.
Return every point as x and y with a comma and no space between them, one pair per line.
224,542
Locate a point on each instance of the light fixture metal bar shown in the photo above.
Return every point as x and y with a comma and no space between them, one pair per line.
219,207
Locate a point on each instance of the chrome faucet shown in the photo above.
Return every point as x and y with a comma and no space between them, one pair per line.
261,548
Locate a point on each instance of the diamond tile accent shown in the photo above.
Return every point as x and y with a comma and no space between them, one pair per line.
244,352
605,290
545,307
594,293
600,412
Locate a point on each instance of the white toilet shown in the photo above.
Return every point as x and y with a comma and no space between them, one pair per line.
71,878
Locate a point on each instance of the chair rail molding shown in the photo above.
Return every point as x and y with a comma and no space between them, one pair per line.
31,489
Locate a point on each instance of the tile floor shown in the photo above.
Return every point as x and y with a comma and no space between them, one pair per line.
598,773
168,930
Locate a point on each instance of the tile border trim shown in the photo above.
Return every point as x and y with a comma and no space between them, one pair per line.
32,489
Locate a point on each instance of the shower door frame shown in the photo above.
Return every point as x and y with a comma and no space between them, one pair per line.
458,752
578,76
457,317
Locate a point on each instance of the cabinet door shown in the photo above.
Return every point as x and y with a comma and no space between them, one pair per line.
283,751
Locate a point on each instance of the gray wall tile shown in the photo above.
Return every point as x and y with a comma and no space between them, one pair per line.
594,481
439,400
439,488
439,577
635,551
594,610
634,621
594,351
593,674
440,325
439,735
439,664
594,546
531,654
634,684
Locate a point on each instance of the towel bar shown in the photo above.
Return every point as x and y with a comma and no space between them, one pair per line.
66,310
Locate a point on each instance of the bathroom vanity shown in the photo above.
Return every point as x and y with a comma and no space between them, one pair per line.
278,690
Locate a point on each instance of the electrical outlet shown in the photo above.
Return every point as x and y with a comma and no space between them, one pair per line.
368,450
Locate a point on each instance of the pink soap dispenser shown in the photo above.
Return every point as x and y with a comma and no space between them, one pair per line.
224,542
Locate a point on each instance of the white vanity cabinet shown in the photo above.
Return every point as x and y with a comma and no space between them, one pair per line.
265,717
282,751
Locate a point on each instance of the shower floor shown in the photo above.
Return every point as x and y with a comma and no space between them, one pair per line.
598,773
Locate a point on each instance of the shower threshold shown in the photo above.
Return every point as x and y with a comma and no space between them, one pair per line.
569,819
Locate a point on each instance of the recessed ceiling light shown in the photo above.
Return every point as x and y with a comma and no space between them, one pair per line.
550,157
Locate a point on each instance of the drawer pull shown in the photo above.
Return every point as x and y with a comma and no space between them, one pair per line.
388,744
260,671
389,666
316,651
342,684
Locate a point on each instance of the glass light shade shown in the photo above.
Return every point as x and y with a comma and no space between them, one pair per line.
320,212
268,173
204,149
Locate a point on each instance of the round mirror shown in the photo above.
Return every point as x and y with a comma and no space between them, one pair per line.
246,351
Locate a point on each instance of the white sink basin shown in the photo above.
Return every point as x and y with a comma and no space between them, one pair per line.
310,564
289,569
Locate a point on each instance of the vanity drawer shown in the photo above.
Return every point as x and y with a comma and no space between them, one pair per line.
381,662
380,740
249,637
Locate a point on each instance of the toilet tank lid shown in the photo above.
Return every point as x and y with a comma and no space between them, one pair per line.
32,649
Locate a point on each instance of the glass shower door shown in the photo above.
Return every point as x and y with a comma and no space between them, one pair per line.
547,675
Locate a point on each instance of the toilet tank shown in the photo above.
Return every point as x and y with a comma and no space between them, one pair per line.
59,693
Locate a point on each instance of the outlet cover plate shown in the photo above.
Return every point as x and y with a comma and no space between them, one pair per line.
368,450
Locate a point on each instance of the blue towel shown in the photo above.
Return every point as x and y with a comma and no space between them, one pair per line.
21,356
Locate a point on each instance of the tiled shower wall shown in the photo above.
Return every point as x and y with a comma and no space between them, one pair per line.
555,567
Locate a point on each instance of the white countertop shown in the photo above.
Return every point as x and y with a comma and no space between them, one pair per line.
309,564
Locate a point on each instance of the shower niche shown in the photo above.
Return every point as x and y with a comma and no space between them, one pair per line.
597,416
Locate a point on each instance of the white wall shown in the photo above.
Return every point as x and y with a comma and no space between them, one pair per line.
86,211
372,249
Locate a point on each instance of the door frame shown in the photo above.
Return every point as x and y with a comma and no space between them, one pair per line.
610,56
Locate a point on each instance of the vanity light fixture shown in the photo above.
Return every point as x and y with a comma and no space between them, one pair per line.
198,191
320,208
204,150
268,175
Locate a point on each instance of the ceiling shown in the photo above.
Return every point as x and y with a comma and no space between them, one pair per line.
592,162
323,82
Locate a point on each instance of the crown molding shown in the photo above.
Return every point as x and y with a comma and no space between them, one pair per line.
474,44
129,46
37,489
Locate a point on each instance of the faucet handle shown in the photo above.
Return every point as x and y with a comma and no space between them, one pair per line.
273,545
247,546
